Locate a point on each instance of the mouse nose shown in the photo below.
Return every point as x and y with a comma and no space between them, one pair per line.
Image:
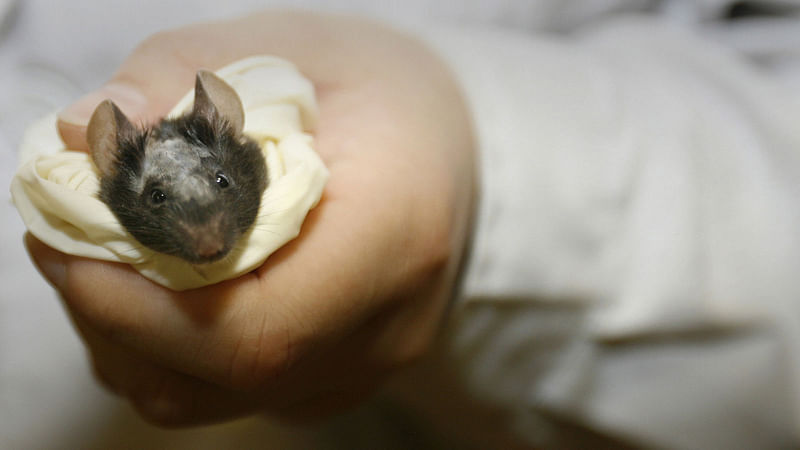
208,246
206,240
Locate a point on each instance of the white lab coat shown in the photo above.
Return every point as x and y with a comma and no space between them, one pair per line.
632,278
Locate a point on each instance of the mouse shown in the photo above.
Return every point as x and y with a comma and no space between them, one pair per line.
188,186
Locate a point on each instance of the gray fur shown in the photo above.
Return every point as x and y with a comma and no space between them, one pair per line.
189,186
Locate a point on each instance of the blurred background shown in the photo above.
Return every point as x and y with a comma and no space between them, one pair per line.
53,52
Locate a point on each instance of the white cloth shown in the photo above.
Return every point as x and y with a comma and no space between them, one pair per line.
634,268
56,190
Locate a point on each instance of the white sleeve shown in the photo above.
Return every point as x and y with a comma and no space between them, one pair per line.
634,268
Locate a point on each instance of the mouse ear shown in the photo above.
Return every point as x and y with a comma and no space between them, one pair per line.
107,123
214,98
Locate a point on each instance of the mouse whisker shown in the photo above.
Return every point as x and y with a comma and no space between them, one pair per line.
272,213
268,230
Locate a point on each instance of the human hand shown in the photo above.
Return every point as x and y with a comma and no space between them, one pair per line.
357,295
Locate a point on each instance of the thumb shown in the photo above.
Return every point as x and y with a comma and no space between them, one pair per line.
73,120
145,88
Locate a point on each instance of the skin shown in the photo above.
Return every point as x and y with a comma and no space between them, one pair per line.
357,296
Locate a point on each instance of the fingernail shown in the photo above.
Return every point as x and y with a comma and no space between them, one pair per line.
49,262
129,98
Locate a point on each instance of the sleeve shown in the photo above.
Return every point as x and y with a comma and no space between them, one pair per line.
634,265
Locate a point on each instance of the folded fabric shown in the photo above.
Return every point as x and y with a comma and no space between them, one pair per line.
55,189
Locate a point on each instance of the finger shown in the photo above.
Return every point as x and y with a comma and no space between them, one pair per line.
194,332
145,87
73,120
162,396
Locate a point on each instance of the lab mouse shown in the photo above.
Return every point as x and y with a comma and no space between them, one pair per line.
189,186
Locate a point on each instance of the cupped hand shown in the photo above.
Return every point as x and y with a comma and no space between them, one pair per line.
361,291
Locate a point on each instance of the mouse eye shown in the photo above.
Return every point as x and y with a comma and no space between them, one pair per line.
221,180
157,196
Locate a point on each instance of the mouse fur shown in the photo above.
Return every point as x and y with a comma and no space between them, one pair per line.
189,186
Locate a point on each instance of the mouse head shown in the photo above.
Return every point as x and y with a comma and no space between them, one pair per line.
189,186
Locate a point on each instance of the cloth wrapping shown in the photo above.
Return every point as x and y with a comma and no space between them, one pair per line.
55,189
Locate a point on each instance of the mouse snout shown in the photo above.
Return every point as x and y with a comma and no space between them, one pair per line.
207,240
208,246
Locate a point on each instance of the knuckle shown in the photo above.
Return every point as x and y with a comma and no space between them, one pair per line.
411,352
161,403
105,377
159,413
155,42
162,49
182,45
433,245
439,252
